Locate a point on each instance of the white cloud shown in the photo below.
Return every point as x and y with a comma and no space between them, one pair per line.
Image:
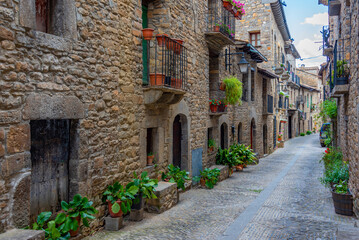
309,50
317,19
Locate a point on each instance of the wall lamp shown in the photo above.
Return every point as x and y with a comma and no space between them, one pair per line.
243,63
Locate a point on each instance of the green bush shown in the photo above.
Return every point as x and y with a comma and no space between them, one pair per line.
237,154
309,132
233,90
330,108
210,176
302,134
175,175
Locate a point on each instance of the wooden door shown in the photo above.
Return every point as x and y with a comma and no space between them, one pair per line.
50,143
176,145
290,126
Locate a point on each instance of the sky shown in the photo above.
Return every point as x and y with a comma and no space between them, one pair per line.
306,19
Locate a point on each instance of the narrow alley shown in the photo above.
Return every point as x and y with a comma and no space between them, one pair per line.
281,198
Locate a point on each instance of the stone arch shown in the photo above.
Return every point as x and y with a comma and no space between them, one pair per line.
224,135
180,113
253,135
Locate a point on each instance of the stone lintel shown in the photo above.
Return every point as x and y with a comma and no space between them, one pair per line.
340,89
41,106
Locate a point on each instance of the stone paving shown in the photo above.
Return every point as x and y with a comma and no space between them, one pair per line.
299,207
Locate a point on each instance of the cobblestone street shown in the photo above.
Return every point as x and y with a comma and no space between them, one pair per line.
281,198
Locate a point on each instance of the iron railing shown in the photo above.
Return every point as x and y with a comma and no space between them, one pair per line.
280,102
220,20
341,63
167,63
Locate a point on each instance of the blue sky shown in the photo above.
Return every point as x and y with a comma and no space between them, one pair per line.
306,19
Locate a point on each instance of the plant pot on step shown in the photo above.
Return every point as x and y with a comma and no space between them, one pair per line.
343,203
213,108
150,160
138,203
157,79
74,233
147,33
161,38
112,214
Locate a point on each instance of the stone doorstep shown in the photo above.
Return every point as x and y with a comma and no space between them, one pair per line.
20,234
113,224
224,171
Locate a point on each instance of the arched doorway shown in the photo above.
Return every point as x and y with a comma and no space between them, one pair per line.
253,135
224,135
180,142
265,135
239,132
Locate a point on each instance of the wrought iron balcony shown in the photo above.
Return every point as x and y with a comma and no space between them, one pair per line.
268,105
166,80
221,27
327,46
339,68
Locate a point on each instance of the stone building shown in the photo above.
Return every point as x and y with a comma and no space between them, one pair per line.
265,27
340,75
84,98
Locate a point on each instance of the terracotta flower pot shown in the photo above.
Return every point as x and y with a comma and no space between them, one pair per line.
239,167
216,28
213,108
161,38
147,33
112,214
179,83
221,108
222,86
157,79
178,46
74,233
211,149
227,5
230,171
170,44
150,160
237,14
203,182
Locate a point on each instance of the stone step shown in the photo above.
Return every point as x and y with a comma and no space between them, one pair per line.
21,234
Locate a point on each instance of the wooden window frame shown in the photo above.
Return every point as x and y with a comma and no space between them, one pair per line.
256,39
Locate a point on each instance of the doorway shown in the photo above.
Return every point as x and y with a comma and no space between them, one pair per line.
265,144
180,142
253,135
224,135
290,127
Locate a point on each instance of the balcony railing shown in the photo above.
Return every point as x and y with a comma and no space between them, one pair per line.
341,64
167,63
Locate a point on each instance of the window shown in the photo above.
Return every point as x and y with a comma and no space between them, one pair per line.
255,38
239,132
252,86
150,140
49,16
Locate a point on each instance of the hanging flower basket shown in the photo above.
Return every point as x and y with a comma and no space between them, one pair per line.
147,33
227,5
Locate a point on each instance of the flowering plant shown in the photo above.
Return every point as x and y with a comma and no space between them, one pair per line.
238,6
214,102
280,134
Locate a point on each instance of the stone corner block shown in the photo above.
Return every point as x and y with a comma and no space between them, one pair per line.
167,197
224,171
20,234
113,224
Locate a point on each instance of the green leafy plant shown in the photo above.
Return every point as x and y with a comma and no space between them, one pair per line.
281,93
245,154
175,175
54,229
233,90
117,192
150,154
330,108
302,134
210,176
309,132
144,184
342,68
225,157
78,207
341,187
211,143
214,102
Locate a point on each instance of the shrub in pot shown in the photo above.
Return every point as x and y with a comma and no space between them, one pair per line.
119,199
150,157
145,186
77,210
53,229
176,175
208,177
233,90
213,104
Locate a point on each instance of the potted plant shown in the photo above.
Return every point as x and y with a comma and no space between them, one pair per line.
217,27
175,175
336,177
147,33
150,157
342,72
211,145
208,177
280,135
227,4
222,107
157,79
213,104
80,208
145,186
281,93
178,46
54,229
233,90
119,199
